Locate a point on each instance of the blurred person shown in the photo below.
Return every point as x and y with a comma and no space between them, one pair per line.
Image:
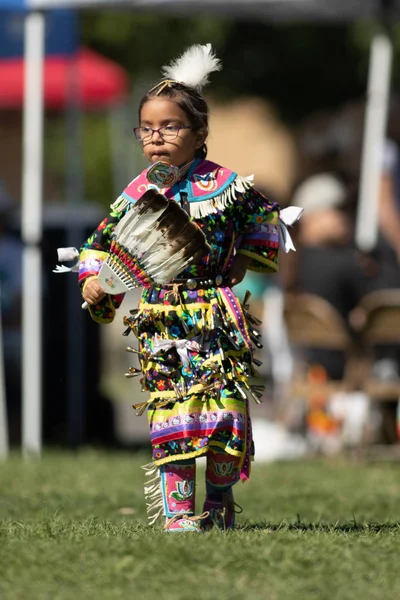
327,265
387,250
200,408
327,262
10,302
386,253
388,247
387,256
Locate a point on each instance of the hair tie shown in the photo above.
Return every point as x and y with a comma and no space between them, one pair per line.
162,85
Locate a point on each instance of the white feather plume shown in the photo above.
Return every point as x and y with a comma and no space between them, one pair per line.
193,67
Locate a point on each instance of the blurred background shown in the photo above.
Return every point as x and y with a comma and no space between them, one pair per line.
289,106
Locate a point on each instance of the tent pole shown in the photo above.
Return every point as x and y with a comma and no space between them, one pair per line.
116,122
3,404
75,234
31,229
373,141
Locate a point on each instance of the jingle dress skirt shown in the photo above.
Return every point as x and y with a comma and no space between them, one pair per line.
196,358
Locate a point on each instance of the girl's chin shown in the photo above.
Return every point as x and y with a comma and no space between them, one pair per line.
164,160
155,159
161,156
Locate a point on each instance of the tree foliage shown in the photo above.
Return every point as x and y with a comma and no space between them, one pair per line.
301,67
143,42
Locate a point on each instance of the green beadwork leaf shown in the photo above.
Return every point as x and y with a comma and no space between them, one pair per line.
177,496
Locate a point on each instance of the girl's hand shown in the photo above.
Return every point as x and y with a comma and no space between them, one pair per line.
239,268
93,293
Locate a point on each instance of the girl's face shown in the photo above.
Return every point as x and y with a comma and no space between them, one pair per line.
158,113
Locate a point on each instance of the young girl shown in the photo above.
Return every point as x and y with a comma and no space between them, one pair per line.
195,337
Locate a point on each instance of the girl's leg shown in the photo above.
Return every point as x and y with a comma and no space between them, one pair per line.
178,485
222,472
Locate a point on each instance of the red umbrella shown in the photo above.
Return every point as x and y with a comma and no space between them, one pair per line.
99,81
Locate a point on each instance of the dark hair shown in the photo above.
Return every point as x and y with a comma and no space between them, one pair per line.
189,100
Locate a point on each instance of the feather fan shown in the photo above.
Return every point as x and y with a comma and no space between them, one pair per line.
151,245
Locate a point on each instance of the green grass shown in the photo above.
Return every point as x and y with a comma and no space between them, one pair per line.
310,530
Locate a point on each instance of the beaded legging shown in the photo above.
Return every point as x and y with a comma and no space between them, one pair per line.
178,482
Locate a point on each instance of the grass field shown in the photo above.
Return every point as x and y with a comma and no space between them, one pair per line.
309,530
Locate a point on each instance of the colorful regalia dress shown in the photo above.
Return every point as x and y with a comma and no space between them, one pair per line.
195,337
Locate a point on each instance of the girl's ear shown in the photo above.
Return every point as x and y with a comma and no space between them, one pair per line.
201,136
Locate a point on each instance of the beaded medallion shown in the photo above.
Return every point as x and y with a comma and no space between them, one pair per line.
164,175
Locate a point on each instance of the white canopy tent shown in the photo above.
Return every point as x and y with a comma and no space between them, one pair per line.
268,10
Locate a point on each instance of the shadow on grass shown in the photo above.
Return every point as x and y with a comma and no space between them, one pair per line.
352,526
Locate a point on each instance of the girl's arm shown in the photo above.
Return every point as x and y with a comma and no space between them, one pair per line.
239,267
93,253
260,240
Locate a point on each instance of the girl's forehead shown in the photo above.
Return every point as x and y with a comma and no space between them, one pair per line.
161,109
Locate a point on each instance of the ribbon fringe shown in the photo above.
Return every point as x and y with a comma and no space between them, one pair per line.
201,209
149,490
150,469
207,207
222,313
155,511
153,493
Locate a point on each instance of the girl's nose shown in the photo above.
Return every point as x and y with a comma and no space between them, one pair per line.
157,136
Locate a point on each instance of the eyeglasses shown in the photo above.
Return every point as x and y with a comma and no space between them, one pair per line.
168,132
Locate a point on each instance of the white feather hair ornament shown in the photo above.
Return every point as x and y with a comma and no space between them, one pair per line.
193,67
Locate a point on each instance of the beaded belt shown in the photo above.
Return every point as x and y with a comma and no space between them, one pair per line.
201,282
